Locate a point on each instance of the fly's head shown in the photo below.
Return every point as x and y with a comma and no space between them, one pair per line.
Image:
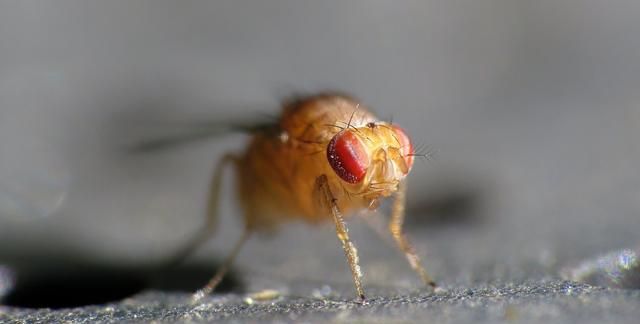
371,160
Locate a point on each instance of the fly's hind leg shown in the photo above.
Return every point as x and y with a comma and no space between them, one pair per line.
209,227
328,201
222,271
395,227
212,211
207,231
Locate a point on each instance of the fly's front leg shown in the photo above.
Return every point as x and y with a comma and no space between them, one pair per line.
329,202
212,211
395,227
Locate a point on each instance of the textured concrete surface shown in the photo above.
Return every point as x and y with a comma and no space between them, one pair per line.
553,301
475,288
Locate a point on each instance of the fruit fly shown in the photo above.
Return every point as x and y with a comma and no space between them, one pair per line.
324,159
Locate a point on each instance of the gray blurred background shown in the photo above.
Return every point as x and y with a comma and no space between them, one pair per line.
531,106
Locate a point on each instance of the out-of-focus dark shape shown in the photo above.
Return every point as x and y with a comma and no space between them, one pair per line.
453,205
82,285
72,288
619,269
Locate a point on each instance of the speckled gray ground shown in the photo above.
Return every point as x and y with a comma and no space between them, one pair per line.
472,290
556,301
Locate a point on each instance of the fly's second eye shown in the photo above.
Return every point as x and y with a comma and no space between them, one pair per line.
348,157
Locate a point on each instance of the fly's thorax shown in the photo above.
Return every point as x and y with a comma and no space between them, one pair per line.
318,118
371,160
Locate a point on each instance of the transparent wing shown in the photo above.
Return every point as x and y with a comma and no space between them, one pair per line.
178,134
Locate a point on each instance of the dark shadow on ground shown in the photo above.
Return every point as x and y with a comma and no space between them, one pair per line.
92,285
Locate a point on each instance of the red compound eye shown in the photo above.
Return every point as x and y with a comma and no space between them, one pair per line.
405,146
348,157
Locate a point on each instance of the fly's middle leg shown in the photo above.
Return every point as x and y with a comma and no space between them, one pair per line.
209,227
329,202
395,227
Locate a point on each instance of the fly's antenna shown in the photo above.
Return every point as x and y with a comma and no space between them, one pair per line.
424,152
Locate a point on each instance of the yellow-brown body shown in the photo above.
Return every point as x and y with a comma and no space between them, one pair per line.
327,156
278,172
